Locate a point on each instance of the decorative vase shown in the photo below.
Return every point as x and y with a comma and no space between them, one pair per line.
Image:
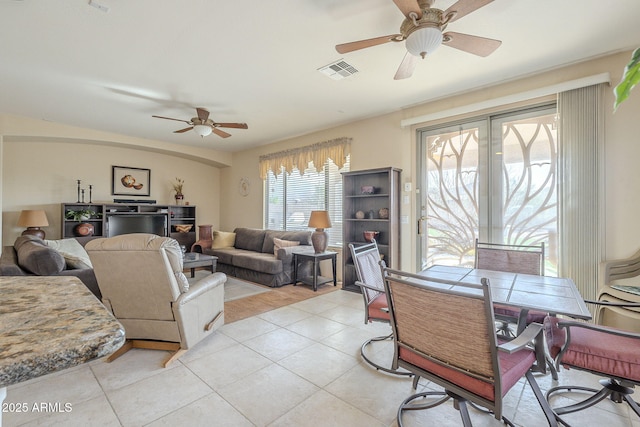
205,240
83,229
179,199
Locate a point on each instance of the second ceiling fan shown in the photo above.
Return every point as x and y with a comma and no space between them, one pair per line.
203,125
423,29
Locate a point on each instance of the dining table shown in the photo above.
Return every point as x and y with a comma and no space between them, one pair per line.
554,295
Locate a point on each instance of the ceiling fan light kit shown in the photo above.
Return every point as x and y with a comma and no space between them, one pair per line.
202,130
424,41
422,31
204,126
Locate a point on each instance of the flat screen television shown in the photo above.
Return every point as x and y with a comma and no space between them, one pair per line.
144,223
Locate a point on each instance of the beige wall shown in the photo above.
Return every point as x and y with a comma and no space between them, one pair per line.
41,175
381,141
66,154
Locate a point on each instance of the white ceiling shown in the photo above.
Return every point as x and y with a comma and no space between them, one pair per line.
256,61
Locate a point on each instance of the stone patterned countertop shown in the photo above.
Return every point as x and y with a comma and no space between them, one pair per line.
48,324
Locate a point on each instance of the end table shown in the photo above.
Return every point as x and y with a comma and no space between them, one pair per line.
315,279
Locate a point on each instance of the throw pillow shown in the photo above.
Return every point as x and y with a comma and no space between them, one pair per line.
279,243
36,257
72,251
223,239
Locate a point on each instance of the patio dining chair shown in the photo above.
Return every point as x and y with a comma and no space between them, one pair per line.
368,265
521,259
463,357
601,350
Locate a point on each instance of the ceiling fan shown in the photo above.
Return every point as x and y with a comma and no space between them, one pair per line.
423,32
203,125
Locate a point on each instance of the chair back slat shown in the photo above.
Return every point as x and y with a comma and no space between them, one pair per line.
523,259
452,327
366,259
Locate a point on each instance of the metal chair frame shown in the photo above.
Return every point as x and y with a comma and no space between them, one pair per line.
617,389
369,292
456,361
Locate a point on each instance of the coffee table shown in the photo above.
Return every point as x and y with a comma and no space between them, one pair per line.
192,260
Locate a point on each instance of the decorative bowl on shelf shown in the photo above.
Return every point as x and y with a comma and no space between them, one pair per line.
367,189
359,215
183,228
370,235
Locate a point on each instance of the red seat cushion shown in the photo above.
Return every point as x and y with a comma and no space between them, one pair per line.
375,308
512,366
596,351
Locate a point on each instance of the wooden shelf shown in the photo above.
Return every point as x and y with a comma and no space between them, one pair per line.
183,214
386,182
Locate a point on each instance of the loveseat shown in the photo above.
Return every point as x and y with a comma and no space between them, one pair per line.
260,256
31,256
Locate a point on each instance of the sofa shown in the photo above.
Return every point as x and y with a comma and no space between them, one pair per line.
259,256
32,256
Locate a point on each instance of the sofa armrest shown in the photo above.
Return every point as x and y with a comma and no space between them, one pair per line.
202,286
9,263
286,254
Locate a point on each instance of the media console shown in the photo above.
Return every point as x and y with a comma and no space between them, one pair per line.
122,218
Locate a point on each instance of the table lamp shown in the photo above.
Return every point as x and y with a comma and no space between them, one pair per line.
33,220
319,239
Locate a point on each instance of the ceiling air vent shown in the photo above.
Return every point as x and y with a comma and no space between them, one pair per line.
338,70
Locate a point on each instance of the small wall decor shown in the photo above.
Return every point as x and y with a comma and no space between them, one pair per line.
127,181
244,187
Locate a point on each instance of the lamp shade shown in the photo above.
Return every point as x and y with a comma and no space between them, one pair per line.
202,130
33,218
424,41
319,219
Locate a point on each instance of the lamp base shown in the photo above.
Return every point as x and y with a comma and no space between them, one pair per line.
319,240
34,231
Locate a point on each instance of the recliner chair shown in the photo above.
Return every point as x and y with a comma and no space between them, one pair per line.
142,284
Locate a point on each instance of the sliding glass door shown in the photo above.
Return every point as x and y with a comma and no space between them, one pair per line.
493,178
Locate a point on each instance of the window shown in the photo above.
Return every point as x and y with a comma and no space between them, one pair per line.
493,178
290,198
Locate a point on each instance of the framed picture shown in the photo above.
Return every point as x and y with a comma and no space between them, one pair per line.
127,181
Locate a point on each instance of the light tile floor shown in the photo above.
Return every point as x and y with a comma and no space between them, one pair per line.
298,365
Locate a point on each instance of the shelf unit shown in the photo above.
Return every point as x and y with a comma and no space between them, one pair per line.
386,194
176,215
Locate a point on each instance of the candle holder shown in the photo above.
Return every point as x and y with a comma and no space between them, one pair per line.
78,191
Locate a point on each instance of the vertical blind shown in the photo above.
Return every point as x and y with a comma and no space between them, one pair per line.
580,185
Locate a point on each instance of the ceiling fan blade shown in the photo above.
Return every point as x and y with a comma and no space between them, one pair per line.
221,133
232,125
408,6
183,130
465,7
480,46
203,114
361,44
169,118
408,64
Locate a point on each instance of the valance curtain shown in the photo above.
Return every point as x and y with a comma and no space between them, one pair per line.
580,185
336,150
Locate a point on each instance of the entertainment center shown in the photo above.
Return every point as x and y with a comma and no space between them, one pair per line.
123,218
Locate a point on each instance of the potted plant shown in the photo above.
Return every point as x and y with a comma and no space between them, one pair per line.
630,78
79,215
177,187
